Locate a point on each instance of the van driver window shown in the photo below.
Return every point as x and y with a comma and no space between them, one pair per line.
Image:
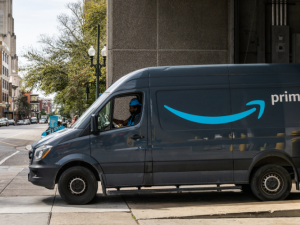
104,117
127,110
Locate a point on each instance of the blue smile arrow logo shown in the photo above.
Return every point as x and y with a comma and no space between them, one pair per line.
220,119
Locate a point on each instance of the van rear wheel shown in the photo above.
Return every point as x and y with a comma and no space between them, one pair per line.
77,185
271,182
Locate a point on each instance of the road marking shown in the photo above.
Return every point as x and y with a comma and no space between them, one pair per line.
8,144
2,161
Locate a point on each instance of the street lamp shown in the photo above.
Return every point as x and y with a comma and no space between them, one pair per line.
98,66
7,106
13,99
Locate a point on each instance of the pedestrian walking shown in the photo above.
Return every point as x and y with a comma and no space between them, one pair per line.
74,120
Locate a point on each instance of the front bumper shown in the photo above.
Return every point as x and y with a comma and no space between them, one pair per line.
43,175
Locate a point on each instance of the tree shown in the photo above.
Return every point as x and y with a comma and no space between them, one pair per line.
43,113
22,105
62,65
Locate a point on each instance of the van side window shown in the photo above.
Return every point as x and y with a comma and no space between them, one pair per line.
127,110
104,117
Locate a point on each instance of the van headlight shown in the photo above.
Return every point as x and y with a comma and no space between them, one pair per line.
41,152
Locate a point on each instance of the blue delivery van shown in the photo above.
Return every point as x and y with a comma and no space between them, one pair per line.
181,125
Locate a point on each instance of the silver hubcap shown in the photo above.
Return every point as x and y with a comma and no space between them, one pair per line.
77,186
271,183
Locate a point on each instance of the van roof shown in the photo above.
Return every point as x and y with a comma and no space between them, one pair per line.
191,75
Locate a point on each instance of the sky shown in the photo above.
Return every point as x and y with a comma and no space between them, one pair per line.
33,18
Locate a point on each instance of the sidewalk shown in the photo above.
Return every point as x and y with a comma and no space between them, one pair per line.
24,203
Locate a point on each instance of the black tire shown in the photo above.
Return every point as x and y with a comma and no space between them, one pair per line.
84,183
271,182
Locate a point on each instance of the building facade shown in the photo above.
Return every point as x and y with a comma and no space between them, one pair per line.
9,77
45,104
146,33
34,105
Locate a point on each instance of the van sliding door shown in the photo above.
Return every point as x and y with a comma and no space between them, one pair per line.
191,139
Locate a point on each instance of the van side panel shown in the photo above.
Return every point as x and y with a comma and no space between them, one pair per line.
185,151
278,128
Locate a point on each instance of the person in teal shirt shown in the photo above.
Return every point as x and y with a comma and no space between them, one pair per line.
135,110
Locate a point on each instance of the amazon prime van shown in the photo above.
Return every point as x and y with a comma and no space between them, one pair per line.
216,124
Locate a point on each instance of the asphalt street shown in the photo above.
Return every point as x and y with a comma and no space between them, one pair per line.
13,139
24,203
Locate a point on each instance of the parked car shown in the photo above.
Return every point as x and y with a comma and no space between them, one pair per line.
189,125
12,122
26,122
33,120
20,122
4,122
43,121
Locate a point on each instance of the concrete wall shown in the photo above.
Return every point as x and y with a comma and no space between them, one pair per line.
145,33
248,31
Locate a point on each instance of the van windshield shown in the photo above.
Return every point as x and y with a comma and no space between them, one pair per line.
89,111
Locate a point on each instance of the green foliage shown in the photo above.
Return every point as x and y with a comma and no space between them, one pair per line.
21,104
43,113
62,64
64,113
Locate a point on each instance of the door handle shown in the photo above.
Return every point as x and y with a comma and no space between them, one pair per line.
136,137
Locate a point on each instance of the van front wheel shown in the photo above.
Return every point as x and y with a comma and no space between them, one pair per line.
271,182
77,185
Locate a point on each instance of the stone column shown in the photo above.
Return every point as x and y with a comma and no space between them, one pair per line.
146,33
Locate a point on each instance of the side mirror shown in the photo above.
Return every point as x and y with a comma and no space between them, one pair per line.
94,124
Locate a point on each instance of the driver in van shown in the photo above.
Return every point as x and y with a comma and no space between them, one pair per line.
135,111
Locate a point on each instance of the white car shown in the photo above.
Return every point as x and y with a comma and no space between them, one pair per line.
20,122
27,121
12,122
42,120
4,122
